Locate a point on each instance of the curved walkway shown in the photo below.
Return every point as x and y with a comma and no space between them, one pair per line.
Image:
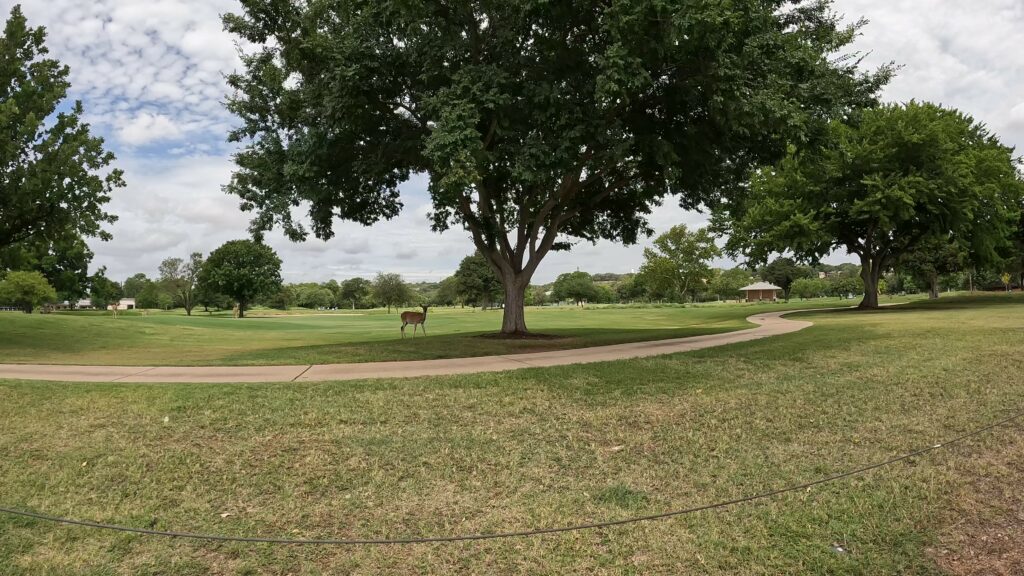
768,324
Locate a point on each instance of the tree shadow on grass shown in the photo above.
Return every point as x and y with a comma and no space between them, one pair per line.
461,345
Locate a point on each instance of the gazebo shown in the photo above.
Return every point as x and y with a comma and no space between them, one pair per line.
761,291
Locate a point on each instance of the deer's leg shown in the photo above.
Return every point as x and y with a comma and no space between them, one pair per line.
424,326
403,329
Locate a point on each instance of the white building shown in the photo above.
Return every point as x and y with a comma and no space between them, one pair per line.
123,304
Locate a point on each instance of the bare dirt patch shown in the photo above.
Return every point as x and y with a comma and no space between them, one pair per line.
985,534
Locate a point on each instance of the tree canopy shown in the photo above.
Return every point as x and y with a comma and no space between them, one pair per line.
180,277
879,184
539,123
26,290
680,262
390,290
54,175
102,290
243,270
783,272
477,283
576,286
355,291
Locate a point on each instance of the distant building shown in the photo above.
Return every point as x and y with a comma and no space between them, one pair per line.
761,292
84,303
123,304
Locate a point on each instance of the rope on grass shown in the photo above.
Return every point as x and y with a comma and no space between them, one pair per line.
517,534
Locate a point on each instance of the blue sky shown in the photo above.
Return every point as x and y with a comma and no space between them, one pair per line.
150,74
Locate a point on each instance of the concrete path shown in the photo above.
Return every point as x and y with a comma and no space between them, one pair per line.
768,324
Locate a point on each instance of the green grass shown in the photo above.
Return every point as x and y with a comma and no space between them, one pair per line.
303,338
535,448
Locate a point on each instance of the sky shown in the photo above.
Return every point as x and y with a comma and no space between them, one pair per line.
150,74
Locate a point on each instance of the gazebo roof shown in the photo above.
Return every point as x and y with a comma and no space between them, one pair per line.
761,286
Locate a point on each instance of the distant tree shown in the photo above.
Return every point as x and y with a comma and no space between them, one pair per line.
932,258
103,291
629,288
538,296
319,298
134,285
478,284
806,288
1006,278
537,122
335,289
843,285
390,290
680,262
783,272
180,279
26,290
727,283
878,184
52,178
659,279
355,291
243,270
150,296
281,299
447,292
207,295
576,286
605,294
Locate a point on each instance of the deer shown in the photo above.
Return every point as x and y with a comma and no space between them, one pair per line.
415,318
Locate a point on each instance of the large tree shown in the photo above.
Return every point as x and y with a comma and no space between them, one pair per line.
54,175
883,181
539,123
243,270
680,261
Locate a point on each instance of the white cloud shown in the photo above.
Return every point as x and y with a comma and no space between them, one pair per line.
146,128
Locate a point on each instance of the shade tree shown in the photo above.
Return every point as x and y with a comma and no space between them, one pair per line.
55,176
243,270
880,183
539,124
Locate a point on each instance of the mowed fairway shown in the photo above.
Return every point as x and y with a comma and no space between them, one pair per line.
548,447
303,338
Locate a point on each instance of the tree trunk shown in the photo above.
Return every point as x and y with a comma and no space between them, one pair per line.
514,315
870,272
933,287
241,309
